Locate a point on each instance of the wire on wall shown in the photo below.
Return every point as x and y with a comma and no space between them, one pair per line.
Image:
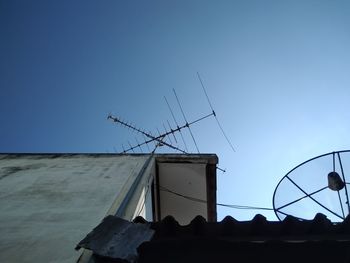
162,188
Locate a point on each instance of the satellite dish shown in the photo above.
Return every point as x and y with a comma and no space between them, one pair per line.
318,185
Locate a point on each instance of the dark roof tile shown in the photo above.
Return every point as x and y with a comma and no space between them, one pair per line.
258,228
117,238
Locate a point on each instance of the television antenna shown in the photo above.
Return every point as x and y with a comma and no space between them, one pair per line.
151,138
171,131
318,185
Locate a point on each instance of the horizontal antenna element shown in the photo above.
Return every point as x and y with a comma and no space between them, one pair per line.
159,139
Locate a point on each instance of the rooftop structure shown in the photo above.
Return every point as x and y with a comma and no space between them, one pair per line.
49,202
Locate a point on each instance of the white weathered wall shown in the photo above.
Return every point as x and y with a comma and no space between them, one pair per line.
187,179
142,200
48,203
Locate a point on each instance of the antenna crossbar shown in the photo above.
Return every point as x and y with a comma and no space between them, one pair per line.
160,138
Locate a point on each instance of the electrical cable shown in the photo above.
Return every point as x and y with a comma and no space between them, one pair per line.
218,204
233,206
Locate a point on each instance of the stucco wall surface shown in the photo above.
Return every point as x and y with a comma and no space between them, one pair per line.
48,203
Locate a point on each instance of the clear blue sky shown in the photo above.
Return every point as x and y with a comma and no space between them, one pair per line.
277,73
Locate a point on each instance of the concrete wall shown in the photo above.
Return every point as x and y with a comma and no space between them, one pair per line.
188,180
187,187
48,203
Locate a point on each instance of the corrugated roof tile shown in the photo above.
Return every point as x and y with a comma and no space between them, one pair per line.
225,234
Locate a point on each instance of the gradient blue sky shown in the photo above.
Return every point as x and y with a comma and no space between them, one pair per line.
277,73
